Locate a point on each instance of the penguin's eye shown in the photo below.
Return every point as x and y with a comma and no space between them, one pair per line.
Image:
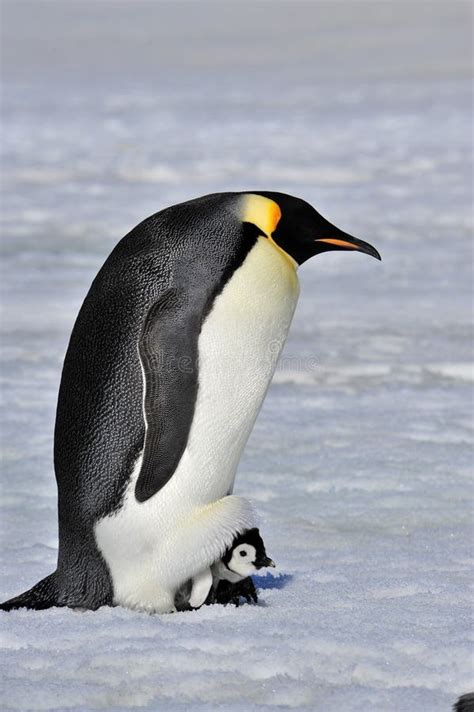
243,553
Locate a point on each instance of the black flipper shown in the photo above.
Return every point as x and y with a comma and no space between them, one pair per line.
43,595
168,353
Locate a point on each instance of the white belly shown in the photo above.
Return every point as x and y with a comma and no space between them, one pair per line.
238,347
238,350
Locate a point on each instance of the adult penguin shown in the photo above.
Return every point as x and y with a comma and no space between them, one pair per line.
167,366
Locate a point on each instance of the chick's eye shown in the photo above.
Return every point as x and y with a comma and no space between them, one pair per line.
243,553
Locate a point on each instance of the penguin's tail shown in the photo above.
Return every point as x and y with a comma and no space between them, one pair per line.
43,595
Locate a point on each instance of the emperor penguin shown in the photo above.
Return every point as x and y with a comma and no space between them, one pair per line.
167,366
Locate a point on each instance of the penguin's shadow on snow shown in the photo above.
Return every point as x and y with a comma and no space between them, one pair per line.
266,583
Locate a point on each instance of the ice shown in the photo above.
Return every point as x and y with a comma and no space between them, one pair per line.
360,464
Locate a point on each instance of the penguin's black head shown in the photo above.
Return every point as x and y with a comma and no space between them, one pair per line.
298,228
247,554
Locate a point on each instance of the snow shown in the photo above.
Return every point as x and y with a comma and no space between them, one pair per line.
360,464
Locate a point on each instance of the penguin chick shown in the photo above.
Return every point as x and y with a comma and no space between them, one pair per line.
229,578
232,573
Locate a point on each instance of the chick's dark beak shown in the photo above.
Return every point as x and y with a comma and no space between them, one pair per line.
263,562
343,241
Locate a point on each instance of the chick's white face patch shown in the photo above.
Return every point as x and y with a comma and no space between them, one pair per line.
243,560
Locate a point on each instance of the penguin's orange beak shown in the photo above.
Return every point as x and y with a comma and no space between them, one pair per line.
347,242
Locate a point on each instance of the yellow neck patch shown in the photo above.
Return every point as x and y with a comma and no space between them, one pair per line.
265,214
261,212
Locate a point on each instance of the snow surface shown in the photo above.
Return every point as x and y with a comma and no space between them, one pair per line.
361,461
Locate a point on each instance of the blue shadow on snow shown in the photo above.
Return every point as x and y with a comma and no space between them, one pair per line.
264,583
